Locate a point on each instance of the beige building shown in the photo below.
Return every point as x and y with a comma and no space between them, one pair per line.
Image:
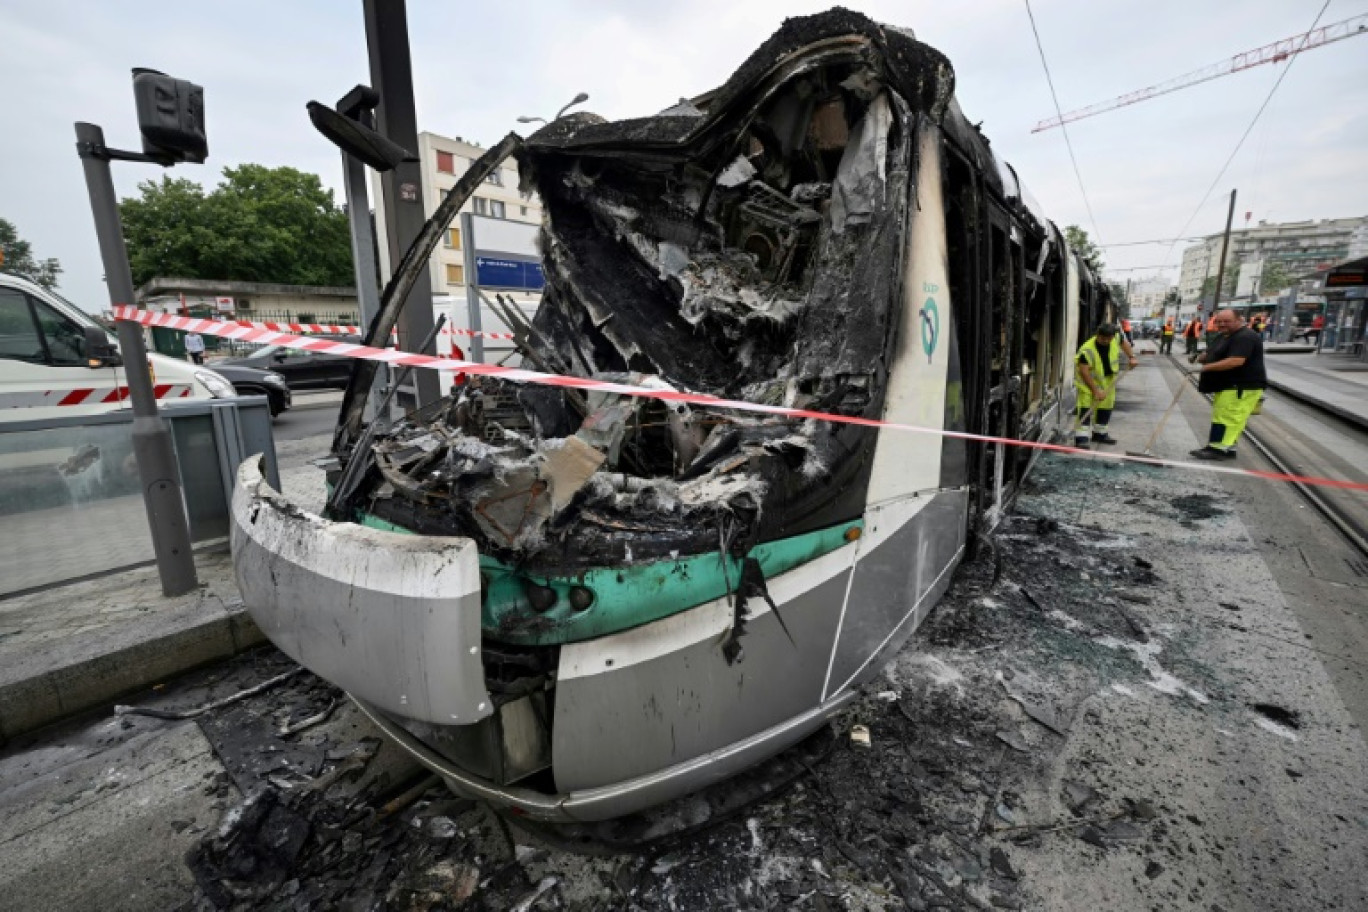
1199,261
1299,247
443,160
1147,297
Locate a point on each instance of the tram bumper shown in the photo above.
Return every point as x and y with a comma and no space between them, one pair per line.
392,619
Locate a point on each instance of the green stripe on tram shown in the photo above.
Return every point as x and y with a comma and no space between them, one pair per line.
625,597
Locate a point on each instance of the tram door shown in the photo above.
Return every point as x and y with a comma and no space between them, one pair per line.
1005,277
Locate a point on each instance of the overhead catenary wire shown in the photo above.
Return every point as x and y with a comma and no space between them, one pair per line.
1097,232
1249,129
1151,242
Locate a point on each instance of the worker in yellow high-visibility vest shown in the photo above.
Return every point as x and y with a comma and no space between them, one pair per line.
1096,370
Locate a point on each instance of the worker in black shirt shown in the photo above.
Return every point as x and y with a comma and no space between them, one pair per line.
1233,370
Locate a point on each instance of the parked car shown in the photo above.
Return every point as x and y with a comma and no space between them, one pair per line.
302,370
56,360
255,381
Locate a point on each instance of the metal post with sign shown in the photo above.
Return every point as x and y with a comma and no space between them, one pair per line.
171,121
501,255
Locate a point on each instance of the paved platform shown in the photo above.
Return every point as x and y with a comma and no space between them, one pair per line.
68,649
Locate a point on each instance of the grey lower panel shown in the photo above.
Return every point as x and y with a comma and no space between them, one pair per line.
631,722
624,797
907,573
393,619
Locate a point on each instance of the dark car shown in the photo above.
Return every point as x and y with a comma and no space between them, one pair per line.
302,370
253,381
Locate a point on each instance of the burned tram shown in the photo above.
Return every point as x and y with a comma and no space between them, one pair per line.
578,604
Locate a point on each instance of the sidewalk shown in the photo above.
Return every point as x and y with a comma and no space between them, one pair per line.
1335,383
68,649
74,647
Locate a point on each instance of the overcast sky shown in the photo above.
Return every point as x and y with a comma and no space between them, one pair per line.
478,66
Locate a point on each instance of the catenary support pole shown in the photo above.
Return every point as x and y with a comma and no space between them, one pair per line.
157,467
397,118
1225,248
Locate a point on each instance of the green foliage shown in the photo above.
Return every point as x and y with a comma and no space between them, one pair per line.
1232,276
259,225
18,258
1275,278
1081,244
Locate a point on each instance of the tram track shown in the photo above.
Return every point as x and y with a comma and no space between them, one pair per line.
1337,508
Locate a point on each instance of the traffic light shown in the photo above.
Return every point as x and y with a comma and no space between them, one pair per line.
170,116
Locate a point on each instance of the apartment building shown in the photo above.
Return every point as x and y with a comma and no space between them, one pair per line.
1299,247
444,160
1147,296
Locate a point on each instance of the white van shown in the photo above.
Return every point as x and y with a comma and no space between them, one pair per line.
45,371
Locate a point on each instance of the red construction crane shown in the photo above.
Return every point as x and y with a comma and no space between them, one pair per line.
1276,52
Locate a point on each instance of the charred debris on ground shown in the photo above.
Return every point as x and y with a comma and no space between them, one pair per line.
957,788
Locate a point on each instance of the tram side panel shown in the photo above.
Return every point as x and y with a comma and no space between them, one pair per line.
915,528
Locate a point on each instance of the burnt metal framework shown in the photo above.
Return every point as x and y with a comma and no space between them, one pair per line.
735,248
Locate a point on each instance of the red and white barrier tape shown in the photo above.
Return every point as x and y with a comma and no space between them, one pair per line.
90,395
353,330
518,375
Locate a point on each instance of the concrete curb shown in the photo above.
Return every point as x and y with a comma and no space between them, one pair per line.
83,673
303,402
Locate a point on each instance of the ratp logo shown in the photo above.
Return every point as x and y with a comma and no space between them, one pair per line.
930,322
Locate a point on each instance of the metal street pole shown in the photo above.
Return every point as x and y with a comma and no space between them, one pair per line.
157,467
357,104
392,78
471,274
1225,248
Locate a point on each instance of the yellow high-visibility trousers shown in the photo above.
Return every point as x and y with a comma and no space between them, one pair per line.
1229,414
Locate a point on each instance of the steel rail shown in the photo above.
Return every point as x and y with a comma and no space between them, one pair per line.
1351,529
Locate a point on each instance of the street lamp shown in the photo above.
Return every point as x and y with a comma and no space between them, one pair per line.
581,97
578,99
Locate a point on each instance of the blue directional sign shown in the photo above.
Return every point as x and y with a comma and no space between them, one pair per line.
509,271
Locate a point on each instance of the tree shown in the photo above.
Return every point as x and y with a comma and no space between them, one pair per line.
1232,275
259,225
1275,278
1081,244
16,257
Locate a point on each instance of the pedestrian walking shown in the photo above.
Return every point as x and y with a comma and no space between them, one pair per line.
194,347
1317,327
1233,372
1096,370
1192,333
1166,338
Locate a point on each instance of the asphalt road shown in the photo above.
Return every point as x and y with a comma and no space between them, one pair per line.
308,419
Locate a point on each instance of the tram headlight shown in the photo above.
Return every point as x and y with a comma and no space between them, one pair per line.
543,598
581,598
